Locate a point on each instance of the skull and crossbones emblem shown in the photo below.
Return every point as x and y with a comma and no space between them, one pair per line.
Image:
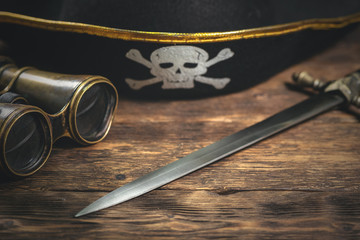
178,67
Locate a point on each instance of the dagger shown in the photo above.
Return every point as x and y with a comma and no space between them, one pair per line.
341,92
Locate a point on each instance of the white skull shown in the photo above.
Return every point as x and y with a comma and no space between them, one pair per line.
177,66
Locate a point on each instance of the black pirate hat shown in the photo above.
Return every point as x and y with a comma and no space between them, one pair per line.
174,48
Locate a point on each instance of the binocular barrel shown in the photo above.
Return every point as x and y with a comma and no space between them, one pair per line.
81,107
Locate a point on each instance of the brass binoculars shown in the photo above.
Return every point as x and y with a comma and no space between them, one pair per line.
50,106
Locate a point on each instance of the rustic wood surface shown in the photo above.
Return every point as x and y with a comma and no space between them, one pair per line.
301,184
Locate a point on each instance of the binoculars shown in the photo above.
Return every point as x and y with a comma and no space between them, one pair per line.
39,107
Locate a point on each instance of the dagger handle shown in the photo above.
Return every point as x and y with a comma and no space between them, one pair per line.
304,79
354,80
348,86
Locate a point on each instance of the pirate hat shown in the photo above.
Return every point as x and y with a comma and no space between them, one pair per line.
178,48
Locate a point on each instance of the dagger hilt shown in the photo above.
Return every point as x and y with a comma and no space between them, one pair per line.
304,79
349,85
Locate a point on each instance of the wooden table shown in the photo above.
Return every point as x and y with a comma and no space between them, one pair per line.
301,184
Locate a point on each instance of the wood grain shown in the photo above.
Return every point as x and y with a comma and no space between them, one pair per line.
301,184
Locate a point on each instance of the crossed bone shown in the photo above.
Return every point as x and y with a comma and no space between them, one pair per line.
217,83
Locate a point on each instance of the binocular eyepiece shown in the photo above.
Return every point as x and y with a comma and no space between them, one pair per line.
81,107
25,138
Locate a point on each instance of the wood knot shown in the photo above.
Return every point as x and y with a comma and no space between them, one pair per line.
120,177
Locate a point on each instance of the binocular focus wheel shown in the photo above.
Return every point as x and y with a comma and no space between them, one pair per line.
10,97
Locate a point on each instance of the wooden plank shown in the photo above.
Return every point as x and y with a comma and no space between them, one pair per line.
301,184
183,214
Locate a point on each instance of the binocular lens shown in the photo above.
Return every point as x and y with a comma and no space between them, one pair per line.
95,111
26,148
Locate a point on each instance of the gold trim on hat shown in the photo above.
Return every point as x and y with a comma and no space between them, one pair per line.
167,37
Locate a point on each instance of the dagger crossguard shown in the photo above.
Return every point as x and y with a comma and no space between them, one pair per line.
349,85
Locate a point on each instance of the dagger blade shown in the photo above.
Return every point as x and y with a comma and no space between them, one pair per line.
285,119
